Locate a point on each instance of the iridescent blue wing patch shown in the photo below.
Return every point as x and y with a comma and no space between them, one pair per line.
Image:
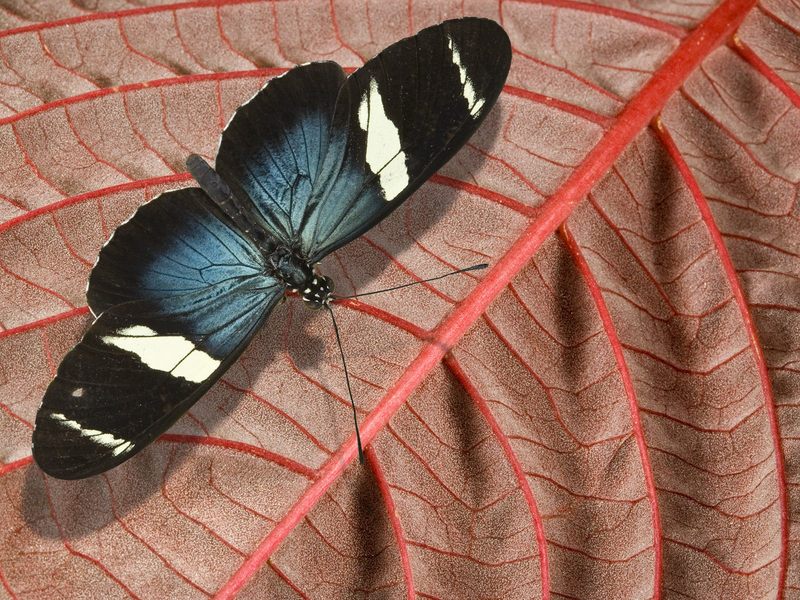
179,242
271,152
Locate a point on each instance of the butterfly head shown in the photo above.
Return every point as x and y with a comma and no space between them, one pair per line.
318,291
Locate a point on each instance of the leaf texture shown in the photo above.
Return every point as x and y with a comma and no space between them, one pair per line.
611,411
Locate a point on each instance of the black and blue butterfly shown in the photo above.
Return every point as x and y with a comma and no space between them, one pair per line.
311,162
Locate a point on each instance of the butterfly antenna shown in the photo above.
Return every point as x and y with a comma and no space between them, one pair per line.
397,287
347,379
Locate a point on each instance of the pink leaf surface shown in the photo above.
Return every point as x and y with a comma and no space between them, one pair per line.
611,411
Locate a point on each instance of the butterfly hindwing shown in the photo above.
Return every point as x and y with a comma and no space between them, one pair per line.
177,243
271,152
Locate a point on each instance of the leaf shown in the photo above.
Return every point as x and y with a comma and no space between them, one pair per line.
611,411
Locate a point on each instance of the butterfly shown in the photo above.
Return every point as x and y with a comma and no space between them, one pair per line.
311,162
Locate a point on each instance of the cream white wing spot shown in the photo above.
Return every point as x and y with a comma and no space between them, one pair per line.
169,353
473,101
104,439
385,156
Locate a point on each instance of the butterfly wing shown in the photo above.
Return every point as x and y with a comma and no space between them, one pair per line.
398,119
318,159
179,242
180,293
271,151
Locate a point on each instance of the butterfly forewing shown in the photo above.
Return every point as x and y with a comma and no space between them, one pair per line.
180,293
398,119
140,366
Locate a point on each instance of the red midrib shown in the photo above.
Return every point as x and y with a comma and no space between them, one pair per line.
716,28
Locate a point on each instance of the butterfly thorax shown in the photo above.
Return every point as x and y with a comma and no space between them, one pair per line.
300,277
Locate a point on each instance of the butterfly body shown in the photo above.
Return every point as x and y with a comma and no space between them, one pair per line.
299,276
311,162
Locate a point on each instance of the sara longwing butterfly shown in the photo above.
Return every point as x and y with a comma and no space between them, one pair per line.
311,162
